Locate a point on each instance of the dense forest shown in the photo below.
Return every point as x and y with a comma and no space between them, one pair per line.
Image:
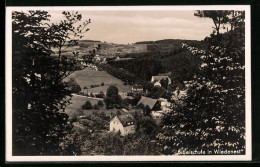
181,63
120,73
142,68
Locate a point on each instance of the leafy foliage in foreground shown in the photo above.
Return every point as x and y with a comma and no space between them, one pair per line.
213,113
95,140
39,94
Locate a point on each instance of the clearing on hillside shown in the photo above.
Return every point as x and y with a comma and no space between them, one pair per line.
88,77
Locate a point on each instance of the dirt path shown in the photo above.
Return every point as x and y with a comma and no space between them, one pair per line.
95,98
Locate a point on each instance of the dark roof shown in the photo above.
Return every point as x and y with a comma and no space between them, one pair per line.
165,74
125,118
137,87
148,101
160,77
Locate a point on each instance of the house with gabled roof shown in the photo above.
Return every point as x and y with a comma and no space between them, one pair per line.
158,106
124,123
153,104
158,78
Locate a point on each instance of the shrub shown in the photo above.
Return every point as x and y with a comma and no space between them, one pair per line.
100,95
93,86
140,106
87,105
74,119
100,103
73,86
147,111
95,113
125,103
96,107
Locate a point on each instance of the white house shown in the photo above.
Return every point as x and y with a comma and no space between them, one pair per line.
159,78
137,88
164,103
157,114
158,84
124,123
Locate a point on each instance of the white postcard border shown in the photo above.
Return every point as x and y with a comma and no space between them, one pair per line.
8,90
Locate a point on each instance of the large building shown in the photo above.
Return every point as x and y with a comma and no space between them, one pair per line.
156,79
158,106
124,123
153,104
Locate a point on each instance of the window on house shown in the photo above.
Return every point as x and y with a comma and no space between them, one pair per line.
128,123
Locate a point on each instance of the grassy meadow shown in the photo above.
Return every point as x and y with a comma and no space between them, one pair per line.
77,102
88,77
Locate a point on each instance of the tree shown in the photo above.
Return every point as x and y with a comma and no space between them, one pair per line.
137,97
112,90
100,95
100,104
87,105
73,85
91,95
213,113
164,83
140,106
113,99
157,92
147,111
118,112
219,17
65,34
146,125
96,107
39,93
125,103
148,85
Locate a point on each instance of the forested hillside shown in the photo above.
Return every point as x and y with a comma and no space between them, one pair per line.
181,63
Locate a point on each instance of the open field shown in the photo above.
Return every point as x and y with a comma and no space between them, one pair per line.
77,102
88,77
105,111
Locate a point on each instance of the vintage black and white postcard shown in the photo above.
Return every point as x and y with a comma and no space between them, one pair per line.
128,83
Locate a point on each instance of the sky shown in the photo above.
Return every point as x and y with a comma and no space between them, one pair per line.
130,26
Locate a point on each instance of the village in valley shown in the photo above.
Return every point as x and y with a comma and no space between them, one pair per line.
105,101
92,84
